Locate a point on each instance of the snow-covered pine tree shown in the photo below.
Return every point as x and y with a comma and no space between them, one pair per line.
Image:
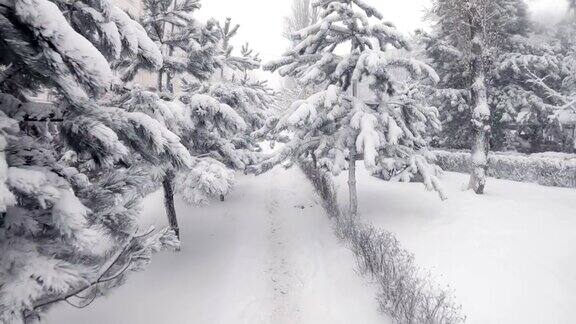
238,87
302,15
467,34
214,133
344,51
247,93
520,110
67,211
188,46
450,94
247,61
518,98
206,178
235,143
559,83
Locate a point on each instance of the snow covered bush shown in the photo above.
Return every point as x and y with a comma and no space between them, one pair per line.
404,294
324,187
68,205
555,169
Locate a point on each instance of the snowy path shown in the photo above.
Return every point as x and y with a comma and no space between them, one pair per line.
510,255
266,255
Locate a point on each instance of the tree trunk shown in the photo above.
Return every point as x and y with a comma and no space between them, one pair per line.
168,184
352,180
574,139
314,159
159,81
352,166
481,112
169,85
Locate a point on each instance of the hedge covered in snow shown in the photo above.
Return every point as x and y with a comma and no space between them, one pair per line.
404,293
548,169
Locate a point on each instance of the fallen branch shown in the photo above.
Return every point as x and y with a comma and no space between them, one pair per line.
100,278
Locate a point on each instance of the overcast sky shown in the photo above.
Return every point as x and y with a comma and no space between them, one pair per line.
261,21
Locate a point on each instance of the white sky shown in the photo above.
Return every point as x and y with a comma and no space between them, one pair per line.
261,21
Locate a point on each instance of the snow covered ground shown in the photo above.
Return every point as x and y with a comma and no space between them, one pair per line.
266,255
510,255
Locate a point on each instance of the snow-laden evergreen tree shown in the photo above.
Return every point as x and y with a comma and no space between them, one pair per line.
557,83
205,178
237,87
450,94
516,53
240,87
345,51
469,37
302,15
189,46
214,116
518,97
232,140
68,207
247,61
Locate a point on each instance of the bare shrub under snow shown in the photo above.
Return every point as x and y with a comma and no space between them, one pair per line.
404,294
324,187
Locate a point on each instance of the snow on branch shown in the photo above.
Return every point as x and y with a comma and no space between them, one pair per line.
55,33
377,63
206,105
136,38
368,139
208,179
